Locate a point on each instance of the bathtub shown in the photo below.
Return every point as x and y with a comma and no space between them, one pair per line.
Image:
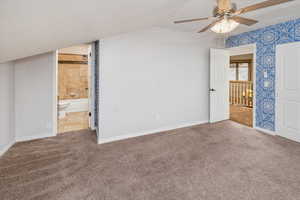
76,105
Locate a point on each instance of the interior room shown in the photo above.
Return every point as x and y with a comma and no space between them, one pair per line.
241,91
74,91
150,100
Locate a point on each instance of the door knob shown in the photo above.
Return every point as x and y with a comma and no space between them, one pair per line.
212,90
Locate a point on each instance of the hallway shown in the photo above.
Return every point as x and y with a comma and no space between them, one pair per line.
241,114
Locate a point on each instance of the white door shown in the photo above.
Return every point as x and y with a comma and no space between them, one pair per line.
91,87
288,91
219,85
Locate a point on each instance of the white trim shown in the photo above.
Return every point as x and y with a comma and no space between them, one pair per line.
97,133
127,136
34,137
6,147
276,88
247,49
254,86
55,90
266,131
243,49
290,136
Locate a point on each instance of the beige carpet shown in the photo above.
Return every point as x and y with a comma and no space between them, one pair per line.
224,161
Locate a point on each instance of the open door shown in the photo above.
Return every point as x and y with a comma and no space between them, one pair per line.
219,86
94,59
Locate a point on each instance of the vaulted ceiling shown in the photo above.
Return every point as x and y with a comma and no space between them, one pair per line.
36,26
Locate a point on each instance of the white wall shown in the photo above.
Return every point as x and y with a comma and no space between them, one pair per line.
34,97
152,80
7,135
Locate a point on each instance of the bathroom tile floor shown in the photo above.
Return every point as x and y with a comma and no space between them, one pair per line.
73,121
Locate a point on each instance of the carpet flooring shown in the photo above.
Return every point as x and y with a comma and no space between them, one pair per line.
222,161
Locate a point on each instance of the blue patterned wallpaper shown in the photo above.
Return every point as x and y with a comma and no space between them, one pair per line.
266,40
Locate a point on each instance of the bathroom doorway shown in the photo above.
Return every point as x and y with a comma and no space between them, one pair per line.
74,88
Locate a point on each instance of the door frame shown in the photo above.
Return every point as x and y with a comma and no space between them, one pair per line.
55,94
55,90
248,49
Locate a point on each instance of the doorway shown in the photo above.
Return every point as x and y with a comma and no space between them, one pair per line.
74,88
241,89
232,84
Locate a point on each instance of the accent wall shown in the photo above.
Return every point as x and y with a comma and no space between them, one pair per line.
266,40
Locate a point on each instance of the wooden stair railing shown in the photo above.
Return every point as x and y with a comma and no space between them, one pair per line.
241,93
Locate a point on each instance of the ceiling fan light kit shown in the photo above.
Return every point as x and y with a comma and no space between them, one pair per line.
225,26
227,17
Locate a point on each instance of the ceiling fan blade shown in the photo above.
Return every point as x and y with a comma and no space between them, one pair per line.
245,21
224,5
191,20
264,4
211,25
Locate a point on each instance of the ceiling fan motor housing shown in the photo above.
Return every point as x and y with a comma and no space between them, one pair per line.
217,12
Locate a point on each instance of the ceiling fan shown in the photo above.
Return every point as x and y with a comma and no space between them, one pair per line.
226,15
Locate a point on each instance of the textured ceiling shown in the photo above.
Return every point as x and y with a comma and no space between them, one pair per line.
36,26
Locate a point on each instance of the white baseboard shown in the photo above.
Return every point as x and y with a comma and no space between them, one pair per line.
266,131
127,136
34,137
290,136
97,131
6,147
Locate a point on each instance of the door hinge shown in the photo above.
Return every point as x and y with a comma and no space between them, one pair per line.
90,114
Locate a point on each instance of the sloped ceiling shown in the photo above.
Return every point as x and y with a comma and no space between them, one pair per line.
29,27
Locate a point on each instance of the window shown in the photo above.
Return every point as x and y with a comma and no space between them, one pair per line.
240,71
243,71
232,71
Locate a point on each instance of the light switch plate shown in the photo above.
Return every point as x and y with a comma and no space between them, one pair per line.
265,74
266,84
